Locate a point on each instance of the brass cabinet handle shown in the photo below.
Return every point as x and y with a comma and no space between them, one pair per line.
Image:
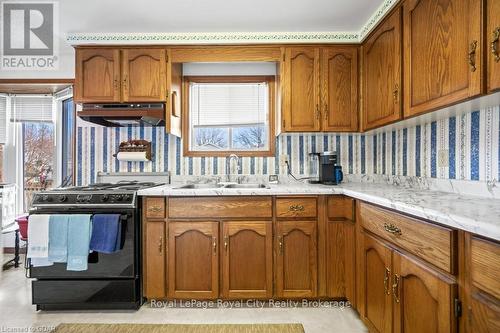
326,111
214,244
391,228
472,55
125,80
296,208
155,209
494,44
395,93
226,242
280,243
387,275
166,94
395,288
117,84
318,112
160,245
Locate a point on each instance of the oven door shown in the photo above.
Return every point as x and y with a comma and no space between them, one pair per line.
120,264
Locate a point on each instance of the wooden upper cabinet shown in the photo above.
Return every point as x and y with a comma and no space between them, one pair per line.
422,299
297,270
493,42
143,75
97,75
443,53
247,260
300,84
339,88
382,74
193,270
376,284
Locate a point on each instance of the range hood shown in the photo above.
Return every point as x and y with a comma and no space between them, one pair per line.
124,114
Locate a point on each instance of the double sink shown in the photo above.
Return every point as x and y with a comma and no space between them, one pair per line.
222,186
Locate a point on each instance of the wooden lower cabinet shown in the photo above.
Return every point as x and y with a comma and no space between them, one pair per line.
193,260
484,314
403,295
376,276
422,298
247,260
296,259
154,260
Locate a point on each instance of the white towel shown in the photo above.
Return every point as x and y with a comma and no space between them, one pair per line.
38,236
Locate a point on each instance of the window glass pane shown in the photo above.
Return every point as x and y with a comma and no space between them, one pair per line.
68,132
38,153
229,116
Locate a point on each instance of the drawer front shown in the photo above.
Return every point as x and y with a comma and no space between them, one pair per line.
340,208
220,207
485,265
433,243
296,207
155,207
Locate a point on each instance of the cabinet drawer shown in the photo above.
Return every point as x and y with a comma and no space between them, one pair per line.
340,208
430,242
220,207
154,207
296,207
485,265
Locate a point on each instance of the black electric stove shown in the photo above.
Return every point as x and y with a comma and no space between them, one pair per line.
112,281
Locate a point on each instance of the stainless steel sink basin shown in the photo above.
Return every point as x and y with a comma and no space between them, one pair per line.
197,186
247,186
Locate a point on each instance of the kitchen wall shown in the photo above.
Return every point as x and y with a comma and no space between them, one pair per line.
465,148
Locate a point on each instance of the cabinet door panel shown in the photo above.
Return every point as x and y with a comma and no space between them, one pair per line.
339,87
493,42
144,78
193,260
296,259
438,38
382,74
97,75
484,314
154,259
301,90
423,301
247,259
376,284
340,259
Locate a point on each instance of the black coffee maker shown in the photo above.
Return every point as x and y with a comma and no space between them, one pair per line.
329,173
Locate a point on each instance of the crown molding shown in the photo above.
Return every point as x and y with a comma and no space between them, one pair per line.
193,38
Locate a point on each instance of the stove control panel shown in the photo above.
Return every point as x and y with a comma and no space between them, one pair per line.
80,199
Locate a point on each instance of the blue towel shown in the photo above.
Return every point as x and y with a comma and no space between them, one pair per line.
79,229
58,238
106,233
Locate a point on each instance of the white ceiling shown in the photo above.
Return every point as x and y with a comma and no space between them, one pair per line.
132,16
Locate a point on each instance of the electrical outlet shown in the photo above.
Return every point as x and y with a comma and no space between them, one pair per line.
283,160
443,158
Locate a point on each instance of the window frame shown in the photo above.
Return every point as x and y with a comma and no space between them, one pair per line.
186,134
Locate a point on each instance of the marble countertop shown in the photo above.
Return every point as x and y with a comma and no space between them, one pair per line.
474,214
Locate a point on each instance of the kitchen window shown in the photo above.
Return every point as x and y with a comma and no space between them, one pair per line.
229,114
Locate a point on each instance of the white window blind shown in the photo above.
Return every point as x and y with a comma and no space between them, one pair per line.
3,119
31,109
228,104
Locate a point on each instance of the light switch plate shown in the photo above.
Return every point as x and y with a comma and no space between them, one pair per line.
283,160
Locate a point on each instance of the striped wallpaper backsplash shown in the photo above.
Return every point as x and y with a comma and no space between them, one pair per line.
465,147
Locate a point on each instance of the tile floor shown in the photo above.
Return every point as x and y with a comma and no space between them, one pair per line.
17,313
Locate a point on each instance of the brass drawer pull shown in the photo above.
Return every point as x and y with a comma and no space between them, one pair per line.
395,288
296,208
226,242
472,55
160,245
280,243
391,228
395,93
155,209
387,276
494,44
214,244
